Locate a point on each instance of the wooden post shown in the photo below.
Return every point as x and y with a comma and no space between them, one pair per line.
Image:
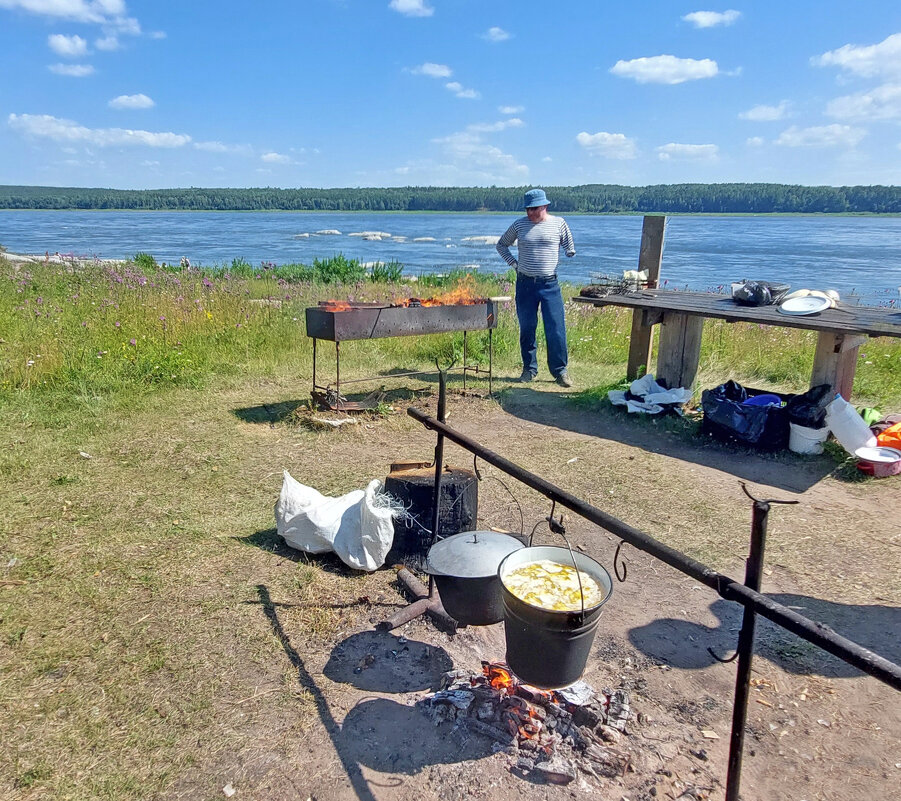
680,350
835,361
650,255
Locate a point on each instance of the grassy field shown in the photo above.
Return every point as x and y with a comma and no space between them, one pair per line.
136,528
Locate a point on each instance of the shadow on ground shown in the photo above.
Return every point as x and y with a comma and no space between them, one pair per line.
378,732
783,471
683,644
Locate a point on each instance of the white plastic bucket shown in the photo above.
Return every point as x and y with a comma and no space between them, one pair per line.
806,440
847,426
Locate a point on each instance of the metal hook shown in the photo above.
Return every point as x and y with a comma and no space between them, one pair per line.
720,659
475,467
617,563
766,502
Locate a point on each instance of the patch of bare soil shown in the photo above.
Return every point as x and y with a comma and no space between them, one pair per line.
817,729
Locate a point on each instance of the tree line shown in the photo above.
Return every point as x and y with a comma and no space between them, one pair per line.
736,198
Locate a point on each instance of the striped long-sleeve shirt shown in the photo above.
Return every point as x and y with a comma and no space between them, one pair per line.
538,245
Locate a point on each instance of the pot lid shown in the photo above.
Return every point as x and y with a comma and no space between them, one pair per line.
471,554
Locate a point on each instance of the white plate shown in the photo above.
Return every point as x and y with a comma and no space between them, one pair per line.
810,304
880,454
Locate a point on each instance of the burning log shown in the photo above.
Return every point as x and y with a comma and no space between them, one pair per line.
552,735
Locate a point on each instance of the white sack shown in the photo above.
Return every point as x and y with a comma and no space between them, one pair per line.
354,526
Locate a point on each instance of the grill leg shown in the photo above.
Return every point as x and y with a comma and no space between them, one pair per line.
490,357
465,363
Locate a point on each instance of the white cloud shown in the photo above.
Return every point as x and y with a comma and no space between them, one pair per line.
433,70
412,8
868,61
108,43
60,130
149,163
468,150
754,141
694,152
77,10
67,46
709,19
821,136
665,69
491,127
496,34
276,158
511,109
131,101
72,70
881,103
547,159
610,145
765,113
212,147
457,88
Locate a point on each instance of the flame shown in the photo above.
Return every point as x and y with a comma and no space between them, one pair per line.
462,295
498,677
335,305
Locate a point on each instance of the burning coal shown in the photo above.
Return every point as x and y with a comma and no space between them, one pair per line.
552,733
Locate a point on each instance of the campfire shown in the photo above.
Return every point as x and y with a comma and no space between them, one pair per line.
551,733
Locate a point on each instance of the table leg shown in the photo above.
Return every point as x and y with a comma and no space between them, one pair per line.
835,361
641,342
679,351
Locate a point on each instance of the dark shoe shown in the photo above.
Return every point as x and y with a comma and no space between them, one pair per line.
526,377
563,379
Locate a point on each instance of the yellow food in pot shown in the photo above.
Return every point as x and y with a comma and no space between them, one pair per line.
550,585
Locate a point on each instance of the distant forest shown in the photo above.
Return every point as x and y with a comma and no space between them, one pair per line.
591,199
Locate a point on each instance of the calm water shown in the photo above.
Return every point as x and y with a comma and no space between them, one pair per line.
850,254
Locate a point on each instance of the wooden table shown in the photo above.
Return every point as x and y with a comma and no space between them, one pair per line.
841,332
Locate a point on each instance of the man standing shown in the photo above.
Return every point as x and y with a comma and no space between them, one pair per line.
539,237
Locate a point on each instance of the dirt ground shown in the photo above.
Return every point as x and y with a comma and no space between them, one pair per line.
817,729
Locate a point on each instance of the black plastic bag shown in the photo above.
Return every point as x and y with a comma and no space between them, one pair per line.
809,409
759,293
728,419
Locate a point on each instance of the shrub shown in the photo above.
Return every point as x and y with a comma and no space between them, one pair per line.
145,261
390,273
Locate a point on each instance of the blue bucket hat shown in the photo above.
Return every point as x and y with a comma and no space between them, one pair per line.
536,197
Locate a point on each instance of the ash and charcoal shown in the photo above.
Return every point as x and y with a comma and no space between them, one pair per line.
550,735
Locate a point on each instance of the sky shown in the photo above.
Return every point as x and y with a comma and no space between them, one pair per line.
367,93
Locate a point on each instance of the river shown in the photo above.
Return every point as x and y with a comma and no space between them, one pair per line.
858,256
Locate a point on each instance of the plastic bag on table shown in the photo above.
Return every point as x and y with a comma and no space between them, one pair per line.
758,293
358,526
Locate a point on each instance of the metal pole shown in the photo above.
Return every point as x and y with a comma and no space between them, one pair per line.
753,570
314,363
439,465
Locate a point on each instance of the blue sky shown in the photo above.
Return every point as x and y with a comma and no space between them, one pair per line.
327,93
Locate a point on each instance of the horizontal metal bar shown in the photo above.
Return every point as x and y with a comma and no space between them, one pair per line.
817,633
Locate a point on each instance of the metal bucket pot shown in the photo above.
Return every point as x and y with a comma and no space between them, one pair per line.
465,570
547,648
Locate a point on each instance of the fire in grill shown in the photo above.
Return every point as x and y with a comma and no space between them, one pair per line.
339,321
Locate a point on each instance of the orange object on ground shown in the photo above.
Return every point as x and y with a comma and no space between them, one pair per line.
891,437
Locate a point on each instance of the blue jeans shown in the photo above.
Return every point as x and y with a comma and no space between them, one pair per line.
532,293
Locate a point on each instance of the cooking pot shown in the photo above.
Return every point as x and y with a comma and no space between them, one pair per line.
465,570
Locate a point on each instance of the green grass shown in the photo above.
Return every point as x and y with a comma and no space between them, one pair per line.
74,337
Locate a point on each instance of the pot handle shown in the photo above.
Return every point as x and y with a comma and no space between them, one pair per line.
557,527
